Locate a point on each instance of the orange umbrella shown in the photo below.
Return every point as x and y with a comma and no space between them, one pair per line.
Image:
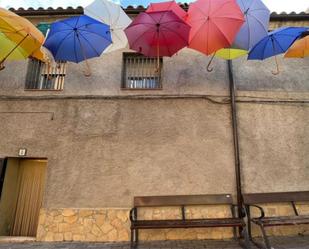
215,23
300,49
19,34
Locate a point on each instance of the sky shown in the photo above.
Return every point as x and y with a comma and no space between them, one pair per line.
273,5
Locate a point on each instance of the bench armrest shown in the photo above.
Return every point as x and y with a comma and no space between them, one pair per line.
258,207
133,214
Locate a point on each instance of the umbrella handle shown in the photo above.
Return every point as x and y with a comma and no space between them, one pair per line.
210,69
2,66
158,56
277,67
87,73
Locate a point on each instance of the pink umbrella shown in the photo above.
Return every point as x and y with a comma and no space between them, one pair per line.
169,5
159,33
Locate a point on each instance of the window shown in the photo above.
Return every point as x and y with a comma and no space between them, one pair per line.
140,72
41,76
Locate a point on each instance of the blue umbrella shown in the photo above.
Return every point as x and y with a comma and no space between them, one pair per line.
256,24
78,38
277,42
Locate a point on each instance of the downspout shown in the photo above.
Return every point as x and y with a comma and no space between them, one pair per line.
235,138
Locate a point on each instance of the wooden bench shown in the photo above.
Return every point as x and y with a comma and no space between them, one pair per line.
251,201
182,202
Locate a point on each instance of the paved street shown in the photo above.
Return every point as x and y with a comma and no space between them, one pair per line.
278,243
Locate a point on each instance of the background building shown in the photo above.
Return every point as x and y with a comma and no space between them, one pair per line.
102,141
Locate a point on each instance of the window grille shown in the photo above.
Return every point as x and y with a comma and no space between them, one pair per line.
140,72
41,76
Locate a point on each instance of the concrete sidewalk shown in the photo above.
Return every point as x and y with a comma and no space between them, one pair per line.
277,243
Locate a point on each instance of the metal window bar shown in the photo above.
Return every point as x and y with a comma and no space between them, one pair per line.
139,72
41,76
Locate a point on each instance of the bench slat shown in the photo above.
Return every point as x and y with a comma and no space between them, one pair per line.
182,200
159,224
283,220
258,198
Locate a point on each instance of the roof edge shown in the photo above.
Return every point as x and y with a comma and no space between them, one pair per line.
136,10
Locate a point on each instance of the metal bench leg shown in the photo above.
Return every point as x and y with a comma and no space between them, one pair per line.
266,240
134,238
246,238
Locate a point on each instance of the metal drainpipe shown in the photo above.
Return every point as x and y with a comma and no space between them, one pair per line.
235,138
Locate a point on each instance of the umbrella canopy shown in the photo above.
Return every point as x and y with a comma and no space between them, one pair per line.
256,24
19,38
113,15
169,5
277,42
214,23
160,33
300,49
230,53
77,39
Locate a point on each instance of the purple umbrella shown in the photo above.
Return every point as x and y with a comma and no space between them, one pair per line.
256,24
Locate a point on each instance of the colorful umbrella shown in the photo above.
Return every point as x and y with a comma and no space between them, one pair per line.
277,42
214,23
300,49
19,37
113,15
77,39
227,54
169,5
256,24
160,33
230,53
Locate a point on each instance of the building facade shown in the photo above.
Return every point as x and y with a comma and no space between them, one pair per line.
102,141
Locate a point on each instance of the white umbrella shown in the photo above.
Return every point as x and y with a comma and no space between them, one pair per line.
113,15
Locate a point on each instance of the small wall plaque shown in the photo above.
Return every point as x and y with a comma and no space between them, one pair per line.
22,152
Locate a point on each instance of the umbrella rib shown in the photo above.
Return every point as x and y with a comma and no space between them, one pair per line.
91,32
117,19
75,53
222,33
144,23
139,37
177,34
259,22
198,31
60,43
178,21
221,6
168,49
91,44
283,50
264,49
49,36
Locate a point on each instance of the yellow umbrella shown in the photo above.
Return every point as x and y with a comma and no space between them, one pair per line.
19,37
300,49
227,54
230,53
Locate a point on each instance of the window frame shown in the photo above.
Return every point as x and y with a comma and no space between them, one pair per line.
123,72
31,60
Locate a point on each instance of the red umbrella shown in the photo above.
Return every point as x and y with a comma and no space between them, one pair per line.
215,23
159,33
169,5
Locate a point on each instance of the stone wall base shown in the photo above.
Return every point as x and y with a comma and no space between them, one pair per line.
112,224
